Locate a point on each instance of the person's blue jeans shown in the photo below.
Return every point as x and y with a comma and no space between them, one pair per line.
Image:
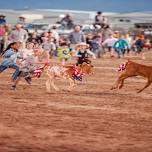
2,68
17,71
98,52
120,52
13,66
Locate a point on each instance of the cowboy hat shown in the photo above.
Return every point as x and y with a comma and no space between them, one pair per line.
22,17
1,15
82,44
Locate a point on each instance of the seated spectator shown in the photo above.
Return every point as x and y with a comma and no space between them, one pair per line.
67,22
98,20
2,20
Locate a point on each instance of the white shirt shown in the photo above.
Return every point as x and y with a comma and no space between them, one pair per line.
110,42
27,52
55,35
19,36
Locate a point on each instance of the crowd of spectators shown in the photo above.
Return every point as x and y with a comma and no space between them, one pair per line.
101,41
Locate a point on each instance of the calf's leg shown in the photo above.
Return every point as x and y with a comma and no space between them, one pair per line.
53,85
48,85
72,84
120,82
147,85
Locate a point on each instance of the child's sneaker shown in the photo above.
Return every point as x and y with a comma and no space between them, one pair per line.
28,80
13,87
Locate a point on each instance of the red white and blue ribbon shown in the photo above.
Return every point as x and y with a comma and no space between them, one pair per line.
121,67
77,74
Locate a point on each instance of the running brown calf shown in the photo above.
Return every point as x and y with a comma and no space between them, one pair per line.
134,69
65,72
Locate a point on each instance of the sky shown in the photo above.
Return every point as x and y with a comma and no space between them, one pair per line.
85,5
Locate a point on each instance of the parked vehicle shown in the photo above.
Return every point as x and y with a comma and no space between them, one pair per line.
45,27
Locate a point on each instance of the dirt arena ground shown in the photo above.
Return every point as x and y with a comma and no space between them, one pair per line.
91,118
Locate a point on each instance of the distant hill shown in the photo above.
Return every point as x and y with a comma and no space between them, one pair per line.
86,5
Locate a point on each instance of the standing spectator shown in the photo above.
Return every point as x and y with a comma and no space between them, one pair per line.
77,36
44,37
139,44
95,44
105,32
22,21
55,34
128,39
49,46
121,45
33,37
2,20
19,35
28,50
89,38
2,34
64,52
109,43
8,28
147,44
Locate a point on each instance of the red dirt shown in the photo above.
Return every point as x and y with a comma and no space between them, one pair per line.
91,118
